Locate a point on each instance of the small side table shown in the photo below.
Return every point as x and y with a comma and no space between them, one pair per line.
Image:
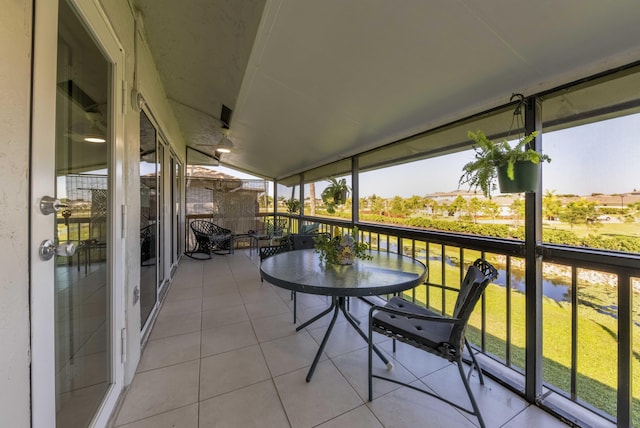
257,237
238,236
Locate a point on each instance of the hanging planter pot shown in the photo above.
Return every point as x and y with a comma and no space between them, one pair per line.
340,197
335,193
525,177
493,159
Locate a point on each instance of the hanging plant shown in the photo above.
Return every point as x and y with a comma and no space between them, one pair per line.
336,193
516,168
293,205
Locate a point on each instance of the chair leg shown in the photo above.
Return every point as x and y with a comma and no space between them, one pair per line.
370,360
295,305
476,409
474,362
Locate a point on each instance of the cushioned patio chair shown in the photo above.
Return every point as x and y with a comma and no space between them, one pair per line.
210,238
438,334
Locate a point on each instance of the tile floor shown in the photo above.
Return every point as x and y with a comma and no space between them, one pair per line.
224,353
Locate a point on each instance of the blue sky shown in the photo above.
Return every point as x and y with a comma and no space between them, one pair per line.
601,157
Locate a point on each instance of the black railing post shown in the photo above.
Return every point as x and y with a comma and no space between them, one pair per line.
625,348
355,194
533,264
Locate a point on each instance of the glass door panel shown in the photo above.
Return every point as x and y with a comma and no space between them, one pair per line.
148,217
82,281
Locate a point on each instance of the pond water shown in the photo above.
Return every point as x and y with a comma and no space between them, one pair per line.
554,290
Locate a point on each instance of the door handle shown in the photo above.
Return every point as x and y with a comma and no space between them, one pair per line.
49,205
48,249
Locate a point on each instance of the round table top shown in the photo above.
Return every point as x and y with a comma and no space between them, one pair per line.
385,273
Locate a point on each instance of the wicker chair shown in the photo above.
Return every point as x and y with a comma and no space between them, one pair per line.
435,333
210,238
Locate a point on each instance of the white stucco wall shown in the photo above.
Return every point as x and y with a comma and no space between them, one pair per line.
15,81
15,71
121,18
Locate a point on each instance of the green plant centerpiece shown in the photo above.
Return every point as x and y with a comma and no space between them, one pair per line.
516,168
335,193
341,250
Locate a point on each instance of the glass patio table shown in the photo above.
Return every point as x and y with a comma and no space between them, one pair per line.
301,271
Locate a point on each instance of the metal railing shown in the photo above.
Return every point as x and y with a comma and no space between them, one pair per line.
498,328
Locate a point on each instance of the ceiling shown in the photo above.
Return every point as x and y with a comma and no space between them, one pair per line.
311,82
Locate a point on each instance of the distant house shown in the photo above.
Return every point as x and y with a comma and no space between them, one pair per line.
228,201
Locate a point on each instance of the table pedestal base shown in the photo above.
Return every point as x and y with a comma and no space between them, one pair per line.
338,304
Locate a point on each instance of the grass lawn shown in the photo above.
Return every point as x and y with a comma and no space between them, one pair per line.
612,228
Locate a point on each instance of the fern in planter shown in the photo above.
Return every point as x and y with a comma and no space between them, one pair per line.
293,205
335,193
490,157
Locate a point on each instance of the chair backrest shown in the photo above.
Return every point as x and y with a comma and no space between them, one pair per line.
277,228
309,228
478,276
272,250
303,241
203,227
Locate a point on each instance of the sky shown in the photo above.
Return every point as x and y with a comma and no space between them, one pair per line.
601,157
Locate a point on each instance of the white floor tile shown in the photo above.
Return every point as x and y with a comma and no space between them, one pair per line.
232,370
224,353
227,338
184,417
223,316
290,353
534,417
170,350
158,391
360,417
255,406
405,407
327,395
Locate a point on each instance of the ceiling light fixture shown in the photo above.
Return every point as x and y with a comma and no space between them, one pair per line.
94,135
96,132
225,145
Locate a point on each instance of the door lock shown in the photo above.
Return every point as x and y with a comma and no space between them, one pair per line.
49,205
48,249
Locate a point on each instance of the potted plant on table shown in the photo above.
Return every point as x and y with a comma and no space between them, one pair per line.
340,250
516,168
335,193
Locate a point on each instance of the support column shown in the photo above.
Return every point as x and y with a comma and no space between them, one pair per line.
533,262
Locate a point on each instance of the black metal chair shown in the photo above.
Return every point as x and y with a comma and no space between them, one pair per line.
438,334
272,230
210,238
309,228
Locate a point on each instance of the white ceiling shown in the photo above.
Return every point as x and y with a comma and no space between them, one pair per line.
311,81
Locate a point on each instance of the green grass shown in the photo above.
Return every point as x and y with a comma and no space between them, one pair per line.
606,229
